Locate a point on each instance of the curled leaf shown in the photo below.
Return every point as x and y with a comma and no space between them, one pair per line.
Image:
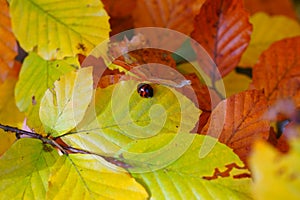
222,27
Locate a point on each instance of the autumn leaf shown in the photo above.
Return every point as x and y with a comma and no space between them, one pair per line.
120,13
9,113
36,76
272,7
278,71
8,44
33,170
72,28
64,106
25,169
281,171
238,121
234,83
222,27
120,115
90,177
266,30
176,15
186,177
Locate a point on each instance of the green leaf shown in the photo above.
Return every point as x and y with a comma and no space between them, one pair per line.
120,115
36,76
25,169
280,171
188,176
57,28
64,106
90,177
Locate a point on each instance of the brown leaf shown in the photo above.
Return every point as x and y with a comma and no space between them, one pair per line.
222,27
8,44
177,15
278,71
120,13
272,7
241,115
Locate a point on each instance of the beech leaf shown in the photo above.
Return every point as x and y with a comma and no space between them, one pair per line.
9,113
188,176
76,27
25,169
36,76
270,167
175,15
240,122
278,71
89,177
120,115
64,106
222,27
266,30
8,44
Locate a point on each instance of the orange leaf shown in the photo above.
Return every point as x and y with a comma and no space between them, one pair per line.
272,7
278,71
222,27
120,14
177,15
243,123
8,44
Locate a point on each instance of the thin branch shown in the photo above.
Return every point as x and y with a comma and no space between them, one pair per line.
64,148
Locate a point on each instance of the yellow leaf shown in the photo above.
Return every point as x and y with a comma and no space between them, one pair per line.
234,83
59,28
90,177
266,30
276,175
9,113
64,107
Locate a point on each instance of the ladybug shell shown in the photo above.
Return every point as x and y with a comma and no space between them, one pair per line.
145,90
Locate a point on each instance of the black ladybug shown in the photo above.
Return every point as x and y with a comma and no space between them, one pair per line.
145,90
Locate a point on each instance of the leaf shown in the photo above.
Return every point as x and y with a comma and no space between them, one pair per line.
63,107
120,115
89,177
120,17
57,29
266,30
25,168
238,121
174,14
234,83
270,167
274,7
9,113
8,44
222,27
36,76
186,177
278,71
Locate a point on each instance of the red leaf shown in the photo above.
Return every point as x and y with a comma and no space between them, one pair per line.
278,71
242,115
222,27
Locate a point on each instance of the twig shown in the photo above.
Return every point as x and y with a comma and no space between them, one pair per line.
64,148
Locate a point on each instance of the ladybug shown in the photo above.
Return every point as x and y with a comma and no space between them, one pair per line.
145,90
